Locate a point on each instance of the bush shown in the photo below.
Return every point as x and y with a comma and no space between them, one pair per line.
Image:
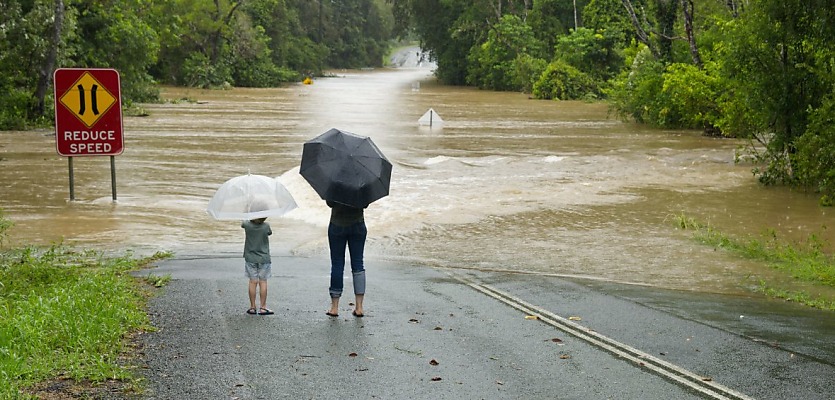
261,73
199,71
594,53
691,94
635,93
526,71
495,63
561,81
15,109
814,160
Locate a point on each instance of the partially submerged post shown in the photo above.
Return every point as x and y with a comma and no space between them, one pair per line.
88,116
430,118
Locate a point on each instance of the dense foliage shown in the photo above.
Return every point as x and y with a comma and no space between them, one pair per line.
757,69
256,43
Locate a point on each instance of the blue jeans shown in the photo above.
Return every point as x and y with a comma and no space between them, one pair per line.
354,238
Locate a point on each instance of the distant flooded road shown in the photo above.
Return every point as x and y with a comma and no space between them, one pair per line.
506,183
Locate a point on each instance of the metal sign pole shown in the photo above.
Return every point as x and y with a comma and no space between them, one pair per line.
80,132
113,176
72,181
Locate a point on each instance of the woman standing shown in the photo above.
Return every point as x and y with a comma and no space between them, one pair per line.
346,228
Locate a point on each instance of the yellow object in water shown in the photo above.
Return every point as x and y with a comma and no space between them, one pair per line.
307,81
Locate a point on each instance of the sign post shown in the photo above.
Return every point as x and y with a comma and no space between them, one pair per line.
88,116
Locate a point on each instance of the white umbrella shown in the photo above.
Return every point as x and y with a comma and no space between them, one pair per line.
250,197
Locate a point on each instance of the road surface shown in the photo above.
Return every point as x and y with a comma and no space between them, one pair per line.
434,333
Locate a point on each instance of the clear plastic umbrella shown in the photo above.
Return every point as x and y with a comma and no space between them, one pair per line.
250,197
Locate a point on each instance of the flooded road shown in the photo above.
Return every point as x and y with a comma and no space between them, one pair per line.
506,183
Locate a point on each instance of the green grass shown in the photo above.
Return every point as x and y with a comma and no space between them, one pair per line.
805,261
157,281
66,314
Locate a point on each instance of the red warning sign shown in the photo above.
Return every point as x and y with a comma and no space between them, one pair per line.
88,112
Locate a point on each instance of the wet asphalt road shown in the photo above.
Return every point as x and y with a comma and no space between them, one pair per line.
428,335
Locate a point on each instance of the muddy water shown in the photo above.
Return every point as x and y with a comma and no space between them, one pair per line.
506,183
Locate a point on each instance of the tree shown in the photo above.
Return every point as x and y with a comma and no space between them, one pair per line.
188,42
447,29
815,157
595,53
356,34
34,36
45,72
636,92
642,27
492,64
451,29
196,49
778,61
551,19
609,16
688,9
116,34
666,13
292,27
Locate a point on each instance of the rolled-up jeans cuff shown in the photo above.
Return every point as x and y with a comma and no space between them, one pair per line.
359,282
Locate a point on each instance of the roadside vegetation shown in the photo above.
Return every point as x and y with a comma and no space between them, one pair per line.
759,70
207,44
805,261
66,316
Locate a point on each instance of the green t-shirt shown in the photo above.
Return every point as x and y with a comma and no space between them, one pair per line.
257,243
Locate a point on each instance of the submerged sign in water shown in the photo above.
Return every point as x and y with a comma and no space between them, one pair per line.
88,112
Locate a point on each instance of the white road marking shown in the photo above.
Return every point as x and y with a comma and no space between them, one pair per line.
660,367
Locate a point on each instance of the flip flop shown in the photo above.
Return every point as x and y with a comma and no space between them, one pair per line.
358,315
251,311
330,314
265,311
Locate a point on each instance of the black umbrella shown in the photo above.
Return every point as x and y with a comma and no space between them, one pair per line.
346,168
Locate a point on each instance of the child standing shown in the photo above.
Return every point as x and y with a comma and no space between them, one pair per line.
257,262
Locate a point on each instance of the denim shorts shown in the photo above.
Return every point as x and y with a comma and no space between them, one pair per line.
256,271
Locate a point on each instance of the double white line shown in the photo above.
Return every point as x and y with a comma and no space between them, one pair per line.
660,367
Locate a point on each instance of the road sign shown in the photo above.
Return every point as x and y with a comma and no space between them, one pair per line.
88,112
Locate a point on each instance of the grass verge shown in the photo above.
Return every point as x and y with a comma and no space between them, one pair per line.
805,261
66,316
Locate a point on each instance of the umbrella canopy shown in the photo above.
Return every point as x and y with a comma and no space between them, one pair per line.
250,197
346,168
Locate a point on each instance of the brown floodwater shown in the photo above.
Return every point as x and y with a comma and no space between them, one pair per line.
505,183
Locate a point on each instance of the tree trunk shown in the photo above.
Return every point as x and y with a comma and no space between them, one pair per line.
217,37
734,7
665,16
45,74
688,10
640,33
575,16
